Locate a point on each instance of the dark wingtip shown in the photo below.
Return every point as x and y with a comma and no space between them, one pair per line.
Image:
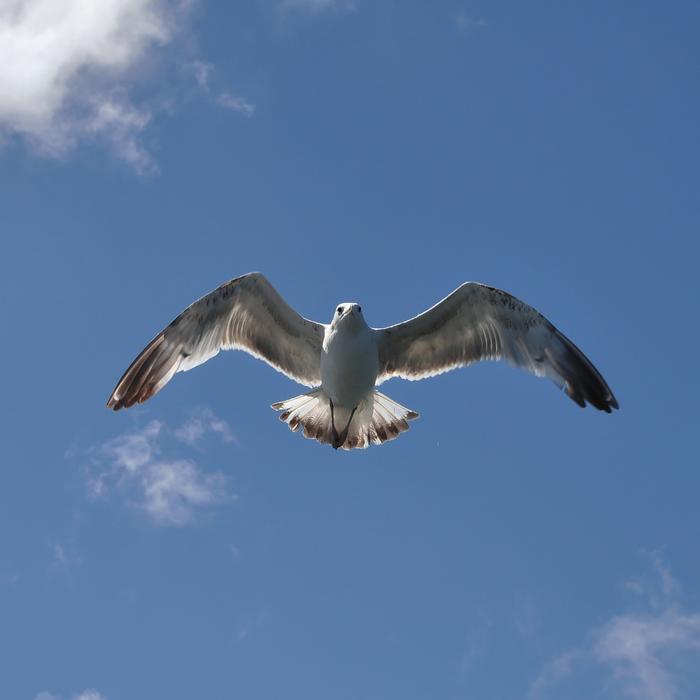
143,377
584,383
116,404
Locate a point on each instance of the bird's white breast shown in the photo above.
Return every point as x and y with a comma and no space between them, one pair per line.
349,365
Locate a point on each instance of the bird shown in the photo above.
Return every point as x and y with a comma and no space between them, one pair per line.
345,360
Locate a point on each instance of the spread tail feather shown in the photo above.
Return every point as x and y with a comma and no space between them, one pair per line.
376,420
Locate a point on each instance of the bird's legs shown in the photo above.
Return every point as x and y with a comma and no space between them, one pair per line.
336,444
339,439
343,436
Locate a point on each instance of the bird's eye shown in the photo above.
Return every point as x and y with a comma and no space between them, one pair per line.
359,308
340,309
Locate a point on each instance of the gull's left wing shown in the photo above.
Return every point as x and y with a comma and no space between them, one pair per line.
477,323
247,314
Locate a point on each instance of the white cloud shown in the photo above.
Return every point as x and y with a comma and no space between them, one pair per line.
652,654
199,424
646,652
90,695
168,489
64,67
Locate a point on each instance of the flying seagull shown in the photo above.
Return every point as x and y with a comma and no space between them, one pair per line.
345,360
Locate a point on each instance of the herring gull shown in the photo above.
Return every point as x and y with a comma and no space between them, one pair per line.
345,360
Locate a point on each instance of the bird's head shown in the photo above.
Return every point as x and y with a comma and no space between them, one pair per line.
348,315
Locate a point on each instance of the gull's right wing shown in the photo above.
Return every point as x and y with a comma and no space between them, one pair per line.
246,314
477,323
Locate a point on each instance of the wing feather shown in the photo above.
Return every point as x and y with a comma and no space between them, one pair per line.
476,323
246,313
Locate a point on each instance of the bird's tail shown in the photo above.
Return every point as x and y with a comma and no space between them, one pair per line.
376,420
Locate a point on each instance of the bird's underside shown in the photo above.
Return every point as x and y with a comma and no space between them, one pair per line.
375,420
473,323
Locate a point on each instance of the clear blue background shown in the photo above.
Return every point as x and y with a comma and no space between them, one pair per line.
394,153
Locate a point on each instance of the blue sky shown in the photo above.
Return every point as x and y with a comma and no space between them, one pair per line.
510,546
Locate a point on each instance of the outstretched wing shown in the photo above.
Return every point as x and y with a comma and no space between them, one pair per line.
477,323
247,314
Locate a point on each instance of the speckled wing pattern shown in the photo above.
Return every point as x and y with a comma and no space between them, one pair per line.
477,323
245,313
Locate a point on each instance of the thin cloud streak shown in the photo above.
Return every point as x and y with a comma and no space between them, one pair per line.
235,104
203,73
464,22
88,694
316,6
64,558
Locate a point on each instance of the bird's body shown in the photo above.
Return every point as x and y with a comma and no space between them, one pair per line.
350,358
346,359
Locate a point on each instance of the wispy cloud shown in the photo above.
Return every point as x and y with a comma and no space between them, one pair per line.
236,104
120,124
88,694
250,624
201,71
167,488
64,559
558,668
646,652
201,423
653,654
203,75
315,6
60,557
466,22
